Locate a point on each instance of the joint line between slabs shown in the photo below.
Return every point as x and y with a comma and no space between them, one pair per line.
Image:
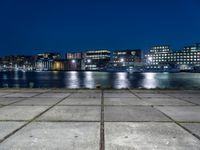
177,123
102,136
30,121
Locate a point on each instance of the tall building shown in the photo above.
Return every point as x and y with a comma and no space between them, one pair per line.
96,59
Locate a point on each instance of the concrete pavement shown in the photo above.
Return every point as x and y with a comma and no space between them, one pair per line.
99,119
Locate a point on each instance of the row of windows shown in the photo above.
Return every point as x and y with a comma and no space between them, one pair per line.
180,63
174,54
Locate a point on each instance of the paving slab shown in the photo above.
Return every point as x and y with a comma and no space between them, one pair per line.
72,113
59,95
61,91
184,95
165,101
25,94
116,91
39,101
20,112
148,136
145,91
123,101
8,127
9,100
193,127
28,90
182,113
51,136
2,94
86,95
195,100
122,95
9,90
89,91
153,95
81,101
132,113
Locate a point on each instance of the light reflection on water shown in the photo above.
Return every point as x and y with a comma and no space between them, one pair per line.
89,79
72,80
121,80
150,81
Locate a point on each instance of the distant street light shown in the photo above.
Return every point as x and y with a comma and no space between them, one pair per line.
73,61
122,60
88,60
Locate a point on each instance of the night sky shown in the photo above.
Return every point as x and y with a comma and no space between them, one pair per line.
34,26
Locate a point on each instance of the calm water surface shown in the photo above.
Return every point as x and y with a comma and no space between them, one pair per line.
88,79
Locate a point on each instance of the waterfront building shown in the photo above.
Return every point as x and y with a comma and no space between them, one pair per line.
163,56
48,56
45,61
17,62
125,60
96,59
126,57
74,60
60,65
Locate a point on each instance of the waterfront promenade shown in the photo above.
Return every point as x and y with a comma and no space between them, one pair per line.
48,119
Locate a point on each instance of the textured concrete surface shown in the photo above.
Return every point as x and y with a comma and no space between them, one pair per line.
152,136
131,113
99,119
9,100
123,101
166,101
8,127
182,113
20,112
51,136
72,113
20,94
39,101
81,101
193,127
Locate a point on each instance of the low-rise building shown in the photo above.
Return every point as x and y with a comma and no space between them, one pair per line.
74,61
96,59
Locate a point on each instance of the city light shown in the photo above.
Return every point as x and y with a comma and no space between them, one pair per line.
73,61
88,60
122,60
150,59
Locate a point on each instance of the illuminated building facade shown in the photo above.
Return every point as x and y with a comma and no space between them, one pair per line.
96,59
74,61
45,61
17,62
126,57
185,59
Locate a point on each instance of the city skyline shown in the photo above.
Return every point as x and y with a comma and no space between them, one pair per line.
64,52
31,27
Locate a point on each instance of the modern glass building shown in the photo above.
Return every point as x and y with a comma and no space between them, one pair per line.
126,57
190,55
96,59
162,55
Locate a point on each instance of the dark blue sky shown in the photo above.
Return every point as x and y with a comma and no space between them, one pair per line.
33,26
